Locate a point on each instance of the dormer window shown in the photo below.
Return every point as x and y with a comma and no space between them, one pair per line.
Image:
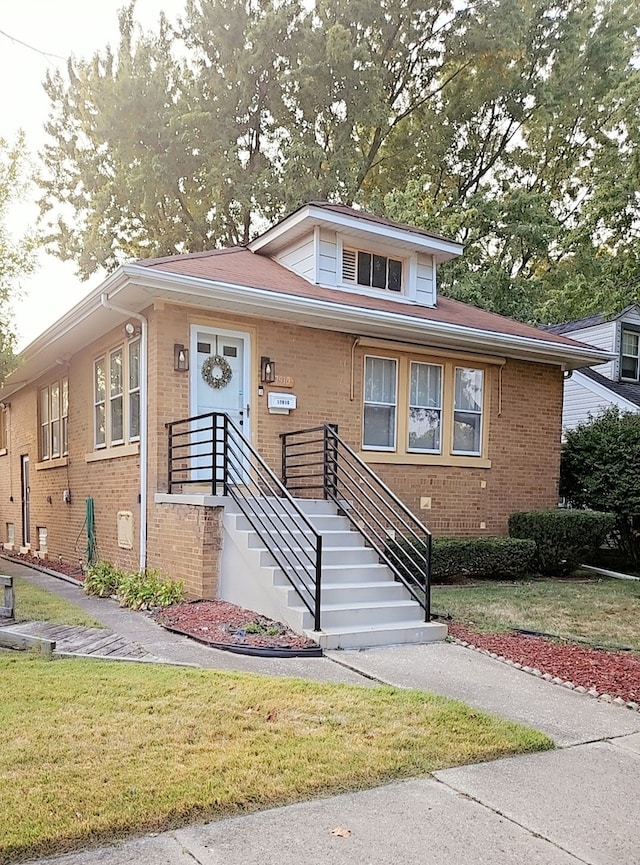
630,355
372,270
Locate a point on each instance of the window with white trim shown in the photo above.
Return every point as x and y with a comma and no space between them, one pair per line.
379,416
630,355
371,269
53,416
116,396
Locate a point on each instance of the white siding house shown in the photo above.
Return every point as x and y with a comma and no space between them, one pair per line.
588,392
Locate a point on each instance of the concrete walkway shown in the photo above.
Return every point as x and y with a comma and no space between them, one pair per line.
577,804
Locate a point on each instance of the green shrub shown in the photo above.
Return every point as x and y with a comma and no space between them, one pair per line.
486,558
137,589
482,558
102,579
599,471
564,538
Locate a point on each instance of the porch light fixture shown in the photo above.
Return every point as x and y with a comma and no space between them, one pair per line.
180,357
267,370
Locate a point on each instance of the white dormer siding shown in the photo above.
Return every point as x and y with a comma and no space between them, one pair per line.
328,258
601,336
311,241
426,294
300,257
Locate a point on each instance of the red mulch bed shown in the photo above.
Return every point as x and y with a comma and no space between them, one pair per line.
69,570
614,673
224,624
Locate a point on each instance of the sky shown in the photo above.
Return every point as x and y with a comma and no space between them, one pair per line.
62,28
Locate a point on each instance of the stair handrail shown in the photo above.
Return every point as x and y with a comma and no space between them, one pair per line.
344,471
241,466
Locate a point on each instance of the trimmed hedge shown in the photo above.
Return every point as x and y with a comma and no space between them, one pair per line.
483,558
564,538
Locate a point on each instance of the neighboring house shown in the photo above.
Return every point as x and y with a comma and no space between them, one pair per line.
330,317
613,383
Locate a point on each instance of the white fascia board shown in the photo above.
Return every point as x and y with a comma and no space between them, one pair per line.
324,314
603,392
440,248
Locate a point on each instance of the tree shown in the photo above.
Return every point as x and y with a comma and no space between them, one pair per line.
598,471
16,256
510,126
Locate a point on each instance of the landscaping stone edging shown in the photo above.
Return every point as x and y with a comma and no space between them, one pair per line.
554,680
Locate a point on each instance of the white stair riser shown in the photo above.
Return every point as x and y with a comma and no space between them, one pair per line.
427,633
344,556
353,594
339,575
324,523
329,540
348,617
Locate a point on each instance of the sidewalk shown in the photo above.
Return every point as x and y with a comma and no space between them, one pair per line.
564,807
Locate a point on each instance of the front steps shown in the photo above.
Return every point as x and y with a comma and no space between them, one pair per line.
362,604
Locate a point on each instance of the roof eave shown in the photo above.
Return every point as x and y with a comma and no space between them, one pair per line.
272,239
323,314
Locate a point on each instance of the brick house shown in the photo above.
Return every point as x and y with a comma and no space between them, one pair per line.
330,317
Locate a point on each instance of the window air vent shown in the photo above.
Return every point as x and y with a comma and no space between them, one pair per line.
348,265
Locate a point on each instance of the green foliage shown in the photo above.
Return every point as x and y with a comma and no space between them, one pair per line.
484,558
599,470
510,126
102,579
16,256
564,538
138,589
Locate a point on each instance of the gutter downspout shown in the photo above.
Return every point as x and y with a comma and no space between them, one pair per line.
144,422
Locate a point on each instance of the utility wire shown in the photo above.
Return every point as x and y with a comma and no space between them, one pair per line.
30,47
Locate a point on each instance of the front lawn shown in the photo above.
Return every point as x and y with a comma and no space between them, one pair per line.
39,605
601,612
97,750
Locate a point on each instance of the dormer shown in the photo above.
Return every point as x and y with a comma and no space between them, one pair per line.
337,247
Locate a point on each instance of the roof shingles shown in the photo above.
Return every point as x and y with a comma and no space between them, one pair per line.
238,266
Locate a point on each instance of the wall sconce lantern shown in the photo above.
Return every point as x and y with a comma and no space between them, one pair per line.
267,370
180,358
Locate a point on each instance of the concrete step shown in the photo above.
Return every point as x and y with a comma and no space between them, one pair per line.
329,539
283,522
348,615
344,556
364,637
372,572
358,594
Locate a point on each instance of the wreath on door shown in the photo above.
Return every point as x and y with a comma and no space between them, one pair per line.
216,371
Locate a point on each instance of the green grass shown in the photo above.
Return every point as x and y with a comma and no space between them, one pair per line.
39,605
97,750
600,611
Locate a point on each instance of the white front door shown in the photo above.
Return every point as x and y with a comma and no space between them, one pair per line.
220,379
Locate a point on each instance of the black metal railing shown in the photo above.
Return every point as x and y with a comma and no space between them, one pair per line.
317,461
209,452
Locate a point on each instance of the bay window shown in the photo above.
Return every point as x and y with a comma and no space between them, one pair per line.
424,410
